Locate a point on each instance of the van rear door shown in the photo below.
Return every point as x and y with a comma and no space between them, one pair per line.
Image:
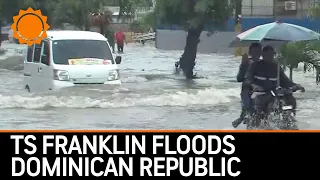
31,68
27,67
36,73
45,71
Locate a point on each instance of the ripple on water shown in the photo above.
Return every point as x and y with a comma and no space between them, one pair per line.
151,96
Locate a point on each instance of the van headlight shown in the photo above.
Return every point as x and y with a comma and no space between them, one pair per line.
61,75
113,75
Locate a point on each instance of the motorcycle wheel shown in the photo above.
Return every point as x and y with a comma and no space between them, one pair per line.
252,123
288,122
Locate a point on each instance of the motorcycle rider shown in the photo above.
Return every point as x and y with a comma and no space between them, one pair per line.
255,51
262,77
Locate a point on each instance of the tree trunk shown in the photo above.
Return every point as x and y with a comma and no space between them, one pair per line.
86,16
291,73
318,75
86,25
187,60
0,32
102,29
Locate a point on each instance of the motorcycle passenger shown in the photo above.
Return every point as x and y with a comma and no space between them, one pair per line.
262,76
255,51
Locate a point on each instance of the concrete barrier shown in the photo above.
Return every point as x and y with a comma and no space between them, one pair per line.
176,40
14,63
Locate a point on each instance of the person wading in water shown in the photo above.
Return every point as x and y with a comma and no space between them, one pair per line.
120,39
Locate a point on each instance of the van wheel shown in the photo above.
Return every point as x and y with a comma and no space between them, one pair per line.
27,88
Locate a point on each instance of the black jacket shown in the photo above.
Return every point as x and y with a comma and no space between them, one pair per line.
265,74
245,88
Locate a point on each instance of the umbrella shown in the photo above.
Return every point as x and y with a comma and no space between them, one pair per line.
273,34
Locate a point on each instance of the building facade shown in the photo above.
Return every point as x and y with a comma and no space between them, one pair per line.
277,8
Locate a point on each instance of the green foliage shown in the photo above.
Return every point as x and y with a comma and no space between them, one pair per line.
144,24
10,8
68,11
291,54
190,13
128,7
308,53
313,51
149,20
181,12
135,26
314,12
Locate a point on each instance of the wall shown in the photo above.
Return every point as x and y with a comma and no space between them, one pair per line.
250,22
175,39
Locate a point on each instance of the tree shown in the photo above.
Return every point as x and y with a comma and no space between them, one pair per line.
291,54
101,19
75,12
136,26
314,11
144,23
10,8
313,63
193,16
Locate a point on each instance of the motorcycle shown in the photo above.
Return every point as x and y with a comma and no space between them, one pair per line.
279,114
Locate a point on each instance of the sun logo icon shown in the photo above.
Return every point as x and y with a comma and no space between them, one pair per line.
30,26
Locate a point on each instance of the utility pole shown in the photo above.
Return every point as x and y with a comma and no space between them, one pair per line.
251,7
275,10
238,28
238,9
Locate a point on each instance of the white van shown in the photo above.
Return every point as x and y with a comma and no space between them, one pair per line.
69,58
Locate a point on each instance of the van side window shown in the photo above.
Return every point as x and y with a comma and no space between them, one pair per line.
37,53
29,53
46,51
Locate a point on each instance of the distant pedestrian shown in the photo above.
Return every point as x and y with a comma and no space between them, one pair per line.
120,40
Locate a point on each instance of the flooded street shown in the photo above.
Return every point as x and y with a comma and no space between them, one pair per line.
152,96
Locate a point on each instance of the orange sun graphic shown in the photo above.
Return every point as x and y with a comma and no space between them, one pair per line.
30,26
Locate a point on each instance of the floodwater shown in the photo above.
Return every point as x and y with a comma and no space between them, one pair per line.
152,96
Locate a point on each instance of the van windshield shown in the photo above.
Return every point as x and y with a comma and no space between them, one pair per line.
63,50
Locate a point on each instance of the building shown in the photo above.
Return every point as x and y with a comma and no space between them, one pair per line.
277,8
